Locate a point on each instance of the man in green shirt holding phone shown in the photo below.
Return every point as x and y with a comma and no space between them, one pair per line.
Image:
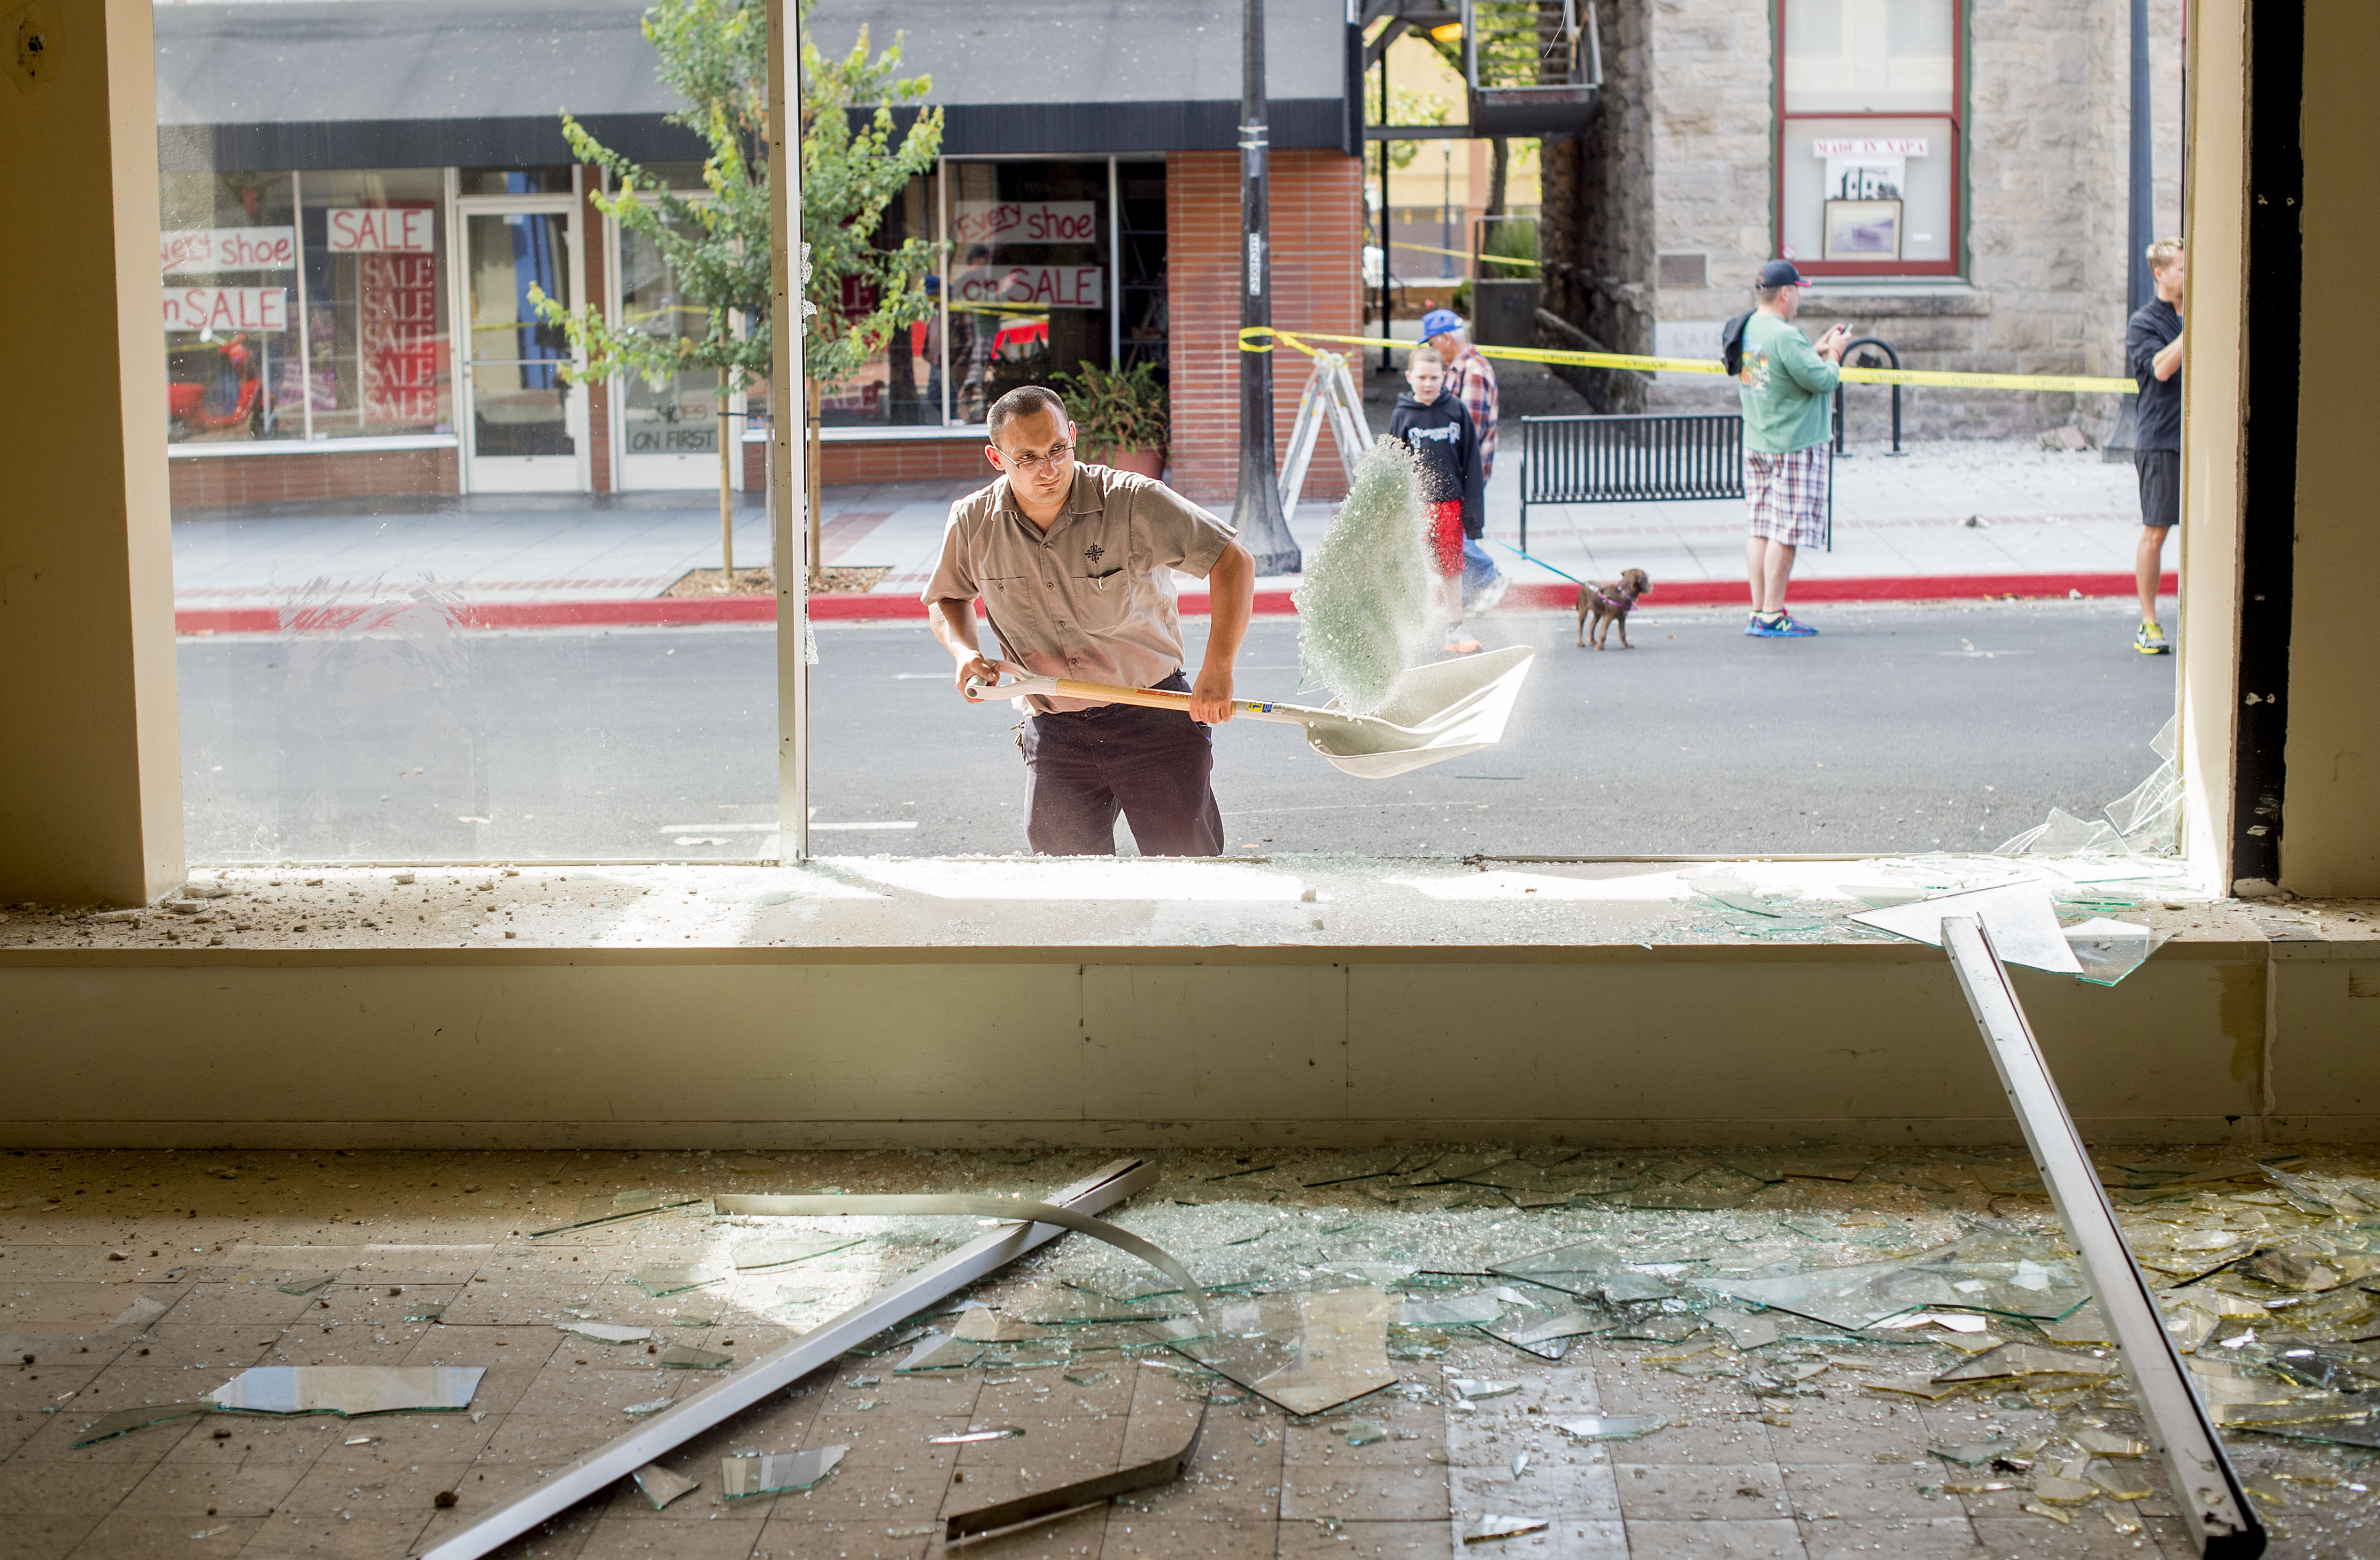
1785,385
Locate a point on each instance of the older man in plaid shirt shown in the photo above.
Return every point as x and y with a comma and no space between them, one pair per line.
1469,376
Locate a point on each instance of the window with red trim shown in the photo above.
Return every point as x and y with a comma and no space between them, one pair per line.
1870,97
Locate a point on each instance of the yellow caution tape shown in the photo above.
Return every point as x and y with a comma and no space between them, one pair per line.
1254,338
1461,254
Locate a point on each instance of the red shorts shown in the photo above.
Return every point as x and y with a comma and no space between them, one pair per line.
1446,535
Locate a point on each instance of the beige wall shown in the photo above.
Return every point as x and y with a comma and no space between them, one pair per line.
90,806
2331,834
1704,1046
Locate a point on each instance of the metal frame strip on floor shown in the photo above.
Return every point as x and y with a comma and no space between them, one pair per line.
679,1423
2197,1470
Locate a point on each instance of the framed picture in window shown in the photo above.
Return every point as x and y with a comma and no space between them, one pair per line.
1863,230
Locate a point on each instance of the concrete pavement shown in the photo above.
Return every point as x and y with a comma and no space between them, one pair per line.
1949,519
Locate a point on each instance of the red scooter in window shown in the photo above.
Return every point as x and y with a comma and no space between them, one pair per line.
214,385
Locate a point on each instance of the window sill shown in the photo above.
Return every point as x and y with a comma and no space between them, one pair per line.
1869,299
357,446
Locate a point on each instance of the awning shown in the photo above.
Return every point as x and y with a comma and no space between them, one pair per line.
433,83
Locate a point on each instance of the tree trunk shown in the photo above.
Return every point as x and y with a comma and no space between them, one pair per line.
726,492
1500,158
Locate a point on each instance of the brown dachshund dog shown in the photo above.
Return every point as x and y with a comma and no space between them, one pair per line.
1609,604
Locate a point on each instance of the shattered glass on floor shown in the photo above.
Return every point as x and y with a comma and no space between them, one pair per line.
1833,1348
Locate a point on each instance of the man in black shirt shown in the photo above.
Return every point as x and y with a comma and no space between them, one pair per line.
2153,355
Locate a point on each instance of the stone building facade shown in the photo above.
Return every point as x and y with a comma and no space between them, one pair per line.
1657,218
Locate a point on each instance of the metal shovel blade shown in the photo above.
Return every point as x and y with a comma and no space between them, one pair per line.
1432,713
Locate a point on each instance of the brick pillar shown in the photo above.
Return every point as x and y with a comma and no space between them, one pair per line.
1317,225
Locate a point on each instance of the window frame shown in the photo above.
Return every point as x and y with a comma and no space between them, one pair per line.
1955,124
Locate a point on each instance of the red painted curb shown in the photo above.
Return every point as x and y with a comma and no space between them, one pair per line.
690,610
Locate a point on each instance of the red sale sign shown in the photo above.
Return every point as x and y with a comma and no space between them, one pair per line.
227,311
399,293
378,230
197,249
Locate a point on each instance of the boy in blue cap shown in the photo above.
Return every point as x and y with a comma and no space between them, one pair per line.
1785,385
1472,380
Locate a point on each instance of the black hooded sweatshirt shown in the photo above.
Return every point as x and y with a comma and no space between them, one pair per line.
1446,448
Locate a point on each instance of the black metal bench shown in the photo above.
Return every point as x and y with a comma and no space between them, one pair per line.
1617,459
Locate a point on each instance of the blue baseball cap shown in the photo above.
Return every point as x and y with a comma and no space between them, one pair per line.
1437,321
1779,274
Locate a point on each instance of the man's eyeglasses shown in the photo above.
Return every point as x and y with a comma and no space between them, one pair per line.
1027,465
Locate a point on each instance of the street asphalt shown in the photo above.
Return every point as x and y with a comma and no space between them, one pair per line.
1899,728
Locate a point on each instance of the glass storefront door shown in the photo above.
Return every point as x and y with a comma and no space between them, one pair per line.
669,436
526,429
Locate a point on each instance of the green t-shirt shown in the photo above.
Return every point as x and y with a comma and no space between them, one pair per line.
1785,387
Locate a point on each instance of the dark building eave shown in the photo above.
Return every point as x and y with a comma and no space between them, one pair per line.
532,140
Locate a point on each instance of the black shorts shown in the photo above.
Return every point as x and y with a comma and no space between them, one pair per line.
2160,472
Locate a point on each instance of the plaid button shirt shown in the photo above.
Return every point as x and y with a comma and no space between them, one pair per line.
1475,386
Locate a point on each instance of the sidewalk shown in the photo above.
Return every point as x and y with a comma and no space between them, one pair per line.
1949,519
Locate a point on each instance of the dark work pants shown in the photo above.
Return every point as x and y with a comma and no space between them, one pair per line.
1151,765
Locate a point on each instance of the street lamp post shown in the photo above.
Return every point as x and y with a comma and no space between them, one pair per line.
1263,529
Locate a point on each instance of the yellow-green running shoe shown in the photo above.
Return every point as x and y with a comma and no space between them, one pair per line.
2150,641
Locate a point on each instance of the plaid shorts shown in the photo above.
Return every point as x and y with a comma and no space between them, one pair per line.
1786,495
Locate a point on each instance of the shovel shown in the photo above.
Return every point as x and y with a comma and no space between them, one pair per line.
1432,713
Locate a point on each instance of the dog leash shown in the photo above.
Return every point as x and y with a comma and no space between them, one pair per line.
1540,562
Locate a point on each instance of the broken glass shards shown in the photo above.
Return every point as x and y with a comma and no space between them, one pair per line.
1590,1270
2108,950
672,1280
2063,834
1064,1499
661,1486
1746,1331
603,1207
1363,1432
1550,1338
427,1310
1304,1352
686,1357
938,1351
1980,1274
126,1420
971,1437
1488,1529
980,1323
784,1250
1476,1390
1709,1189
654,1405
1611,1427
349,1389
1464,1311
604,1332
309,1283
776,1472
2021,920
2015,1360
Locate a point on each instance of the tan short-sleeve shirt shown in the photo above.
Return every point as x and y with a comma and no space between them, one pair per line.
1092,598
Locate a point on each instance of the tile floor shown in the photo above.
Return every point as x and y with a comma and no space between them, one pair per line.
1824,1469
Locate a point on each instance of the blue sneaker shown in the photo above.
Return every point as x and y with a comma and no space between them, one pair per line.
1782,626
1752,625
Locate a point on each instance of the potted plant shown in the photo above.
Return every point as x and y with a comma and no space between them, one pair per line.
1120,419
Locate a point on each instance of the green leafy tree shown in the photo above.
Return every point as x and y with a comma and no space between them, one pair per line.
713,54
